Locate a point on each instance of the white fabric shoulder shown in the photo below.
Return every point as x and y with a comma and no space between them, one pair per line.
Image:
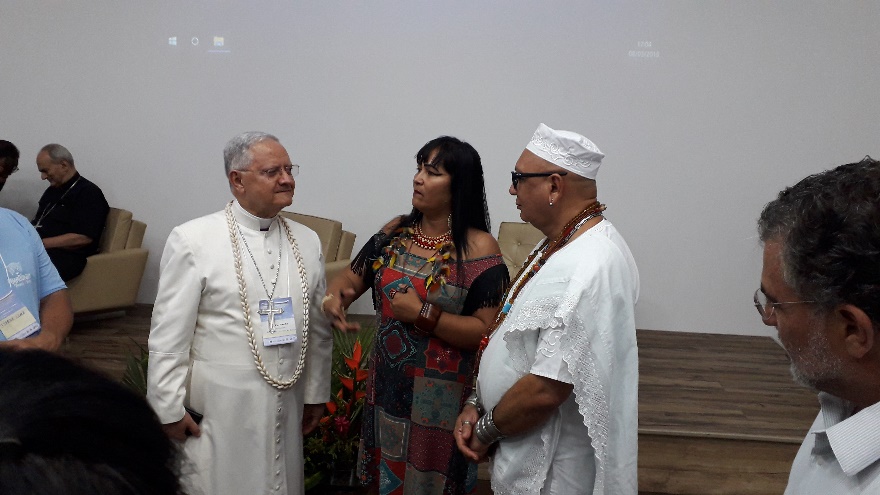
305,237
581,303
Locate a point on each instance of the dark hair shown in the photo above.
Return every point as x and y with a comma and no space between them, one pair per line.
469,209
67,430
829,227
8,155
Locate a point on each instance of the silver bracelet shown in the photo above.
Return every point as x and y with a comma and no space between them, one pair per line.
486,431
475,401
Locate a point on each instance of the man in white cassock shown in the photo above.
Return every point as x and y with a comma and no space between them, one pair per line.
237,333
556,403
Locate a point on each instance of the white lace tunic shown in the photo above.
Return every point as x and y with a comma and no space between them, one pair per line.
573,322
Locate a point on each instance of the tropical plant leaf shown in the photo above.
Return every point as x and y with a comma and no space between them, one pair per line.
135,374
347,382
313,480
333,444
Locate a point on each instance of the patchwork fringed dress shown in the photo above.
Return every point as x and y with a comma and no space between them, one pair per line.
417,384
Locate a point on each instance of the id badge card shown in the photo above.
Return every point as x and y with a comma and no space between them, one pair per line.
278,322
16,320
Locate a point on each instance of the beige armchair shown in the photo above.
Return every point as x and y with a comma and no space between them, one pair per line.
335,242
112,277
517,239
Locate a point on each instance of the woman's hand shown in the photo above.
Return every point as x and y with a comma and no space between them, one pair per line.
405,306
464,428
335,312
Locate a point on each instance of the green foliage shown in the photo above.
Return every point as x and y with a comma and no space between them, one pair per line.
135,375
343,345
334,444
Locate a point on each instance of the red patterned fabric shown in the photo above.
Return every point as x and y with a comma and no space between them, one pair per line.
417,384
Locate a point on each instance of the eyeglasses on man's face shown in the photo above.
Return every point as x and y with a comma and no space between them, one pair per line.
515,176
272,173
766,308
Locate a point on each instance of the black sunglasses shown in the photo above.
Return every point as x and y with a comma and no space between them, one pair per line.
515,176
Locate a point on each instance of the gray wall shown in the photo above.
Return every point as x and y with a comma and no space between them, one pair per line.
704,109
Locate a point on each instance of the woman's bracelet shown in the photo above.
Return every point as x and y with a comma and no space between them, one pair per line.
486,431
427,319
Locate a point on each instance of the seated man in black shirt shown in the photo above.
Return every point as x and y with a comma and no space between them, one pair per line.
72,212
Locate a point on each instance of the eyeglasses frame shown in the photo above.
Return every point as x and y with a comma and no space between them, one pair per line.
294,171
773,305
515,176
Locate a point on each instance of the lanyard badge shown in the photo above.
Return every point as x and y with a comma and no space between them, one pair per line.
278,322
16,320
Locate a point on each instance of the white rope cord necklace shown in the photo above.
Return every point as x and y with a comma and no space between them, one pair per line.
246,310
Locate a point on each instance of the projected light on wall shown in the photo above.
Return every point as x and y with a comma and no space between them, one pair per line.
210,44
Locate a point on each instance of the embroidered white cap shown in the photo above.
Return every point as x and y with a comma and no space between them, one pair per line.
568,150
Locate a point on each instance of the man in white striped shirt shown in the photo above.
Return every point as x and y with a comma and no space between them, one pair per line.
820,288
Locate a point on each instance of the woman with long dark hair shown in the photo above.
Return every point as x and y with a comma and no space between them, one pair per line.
437,278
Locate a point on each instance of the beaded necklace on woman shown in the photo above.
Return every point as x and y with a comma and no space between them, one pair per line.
531,267
442,246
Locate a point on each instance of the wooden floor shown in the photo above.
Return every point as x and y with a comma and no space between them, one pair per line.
718,414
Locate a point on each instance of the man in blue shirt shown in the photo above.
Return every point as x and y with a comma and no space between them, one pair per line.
33,299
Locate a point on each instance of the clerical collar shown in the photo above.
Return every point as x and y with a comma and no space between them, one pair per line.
249,220
70,182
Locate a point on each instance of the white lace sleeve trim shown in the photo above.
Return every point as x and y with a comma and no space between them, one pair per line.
534,466
560,316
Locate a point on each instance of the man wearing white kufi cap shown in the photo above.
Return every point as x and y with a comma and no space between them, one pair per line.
557,389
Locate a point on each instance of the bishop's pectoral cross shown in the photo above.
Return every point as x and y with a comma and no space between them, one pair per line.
270,310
